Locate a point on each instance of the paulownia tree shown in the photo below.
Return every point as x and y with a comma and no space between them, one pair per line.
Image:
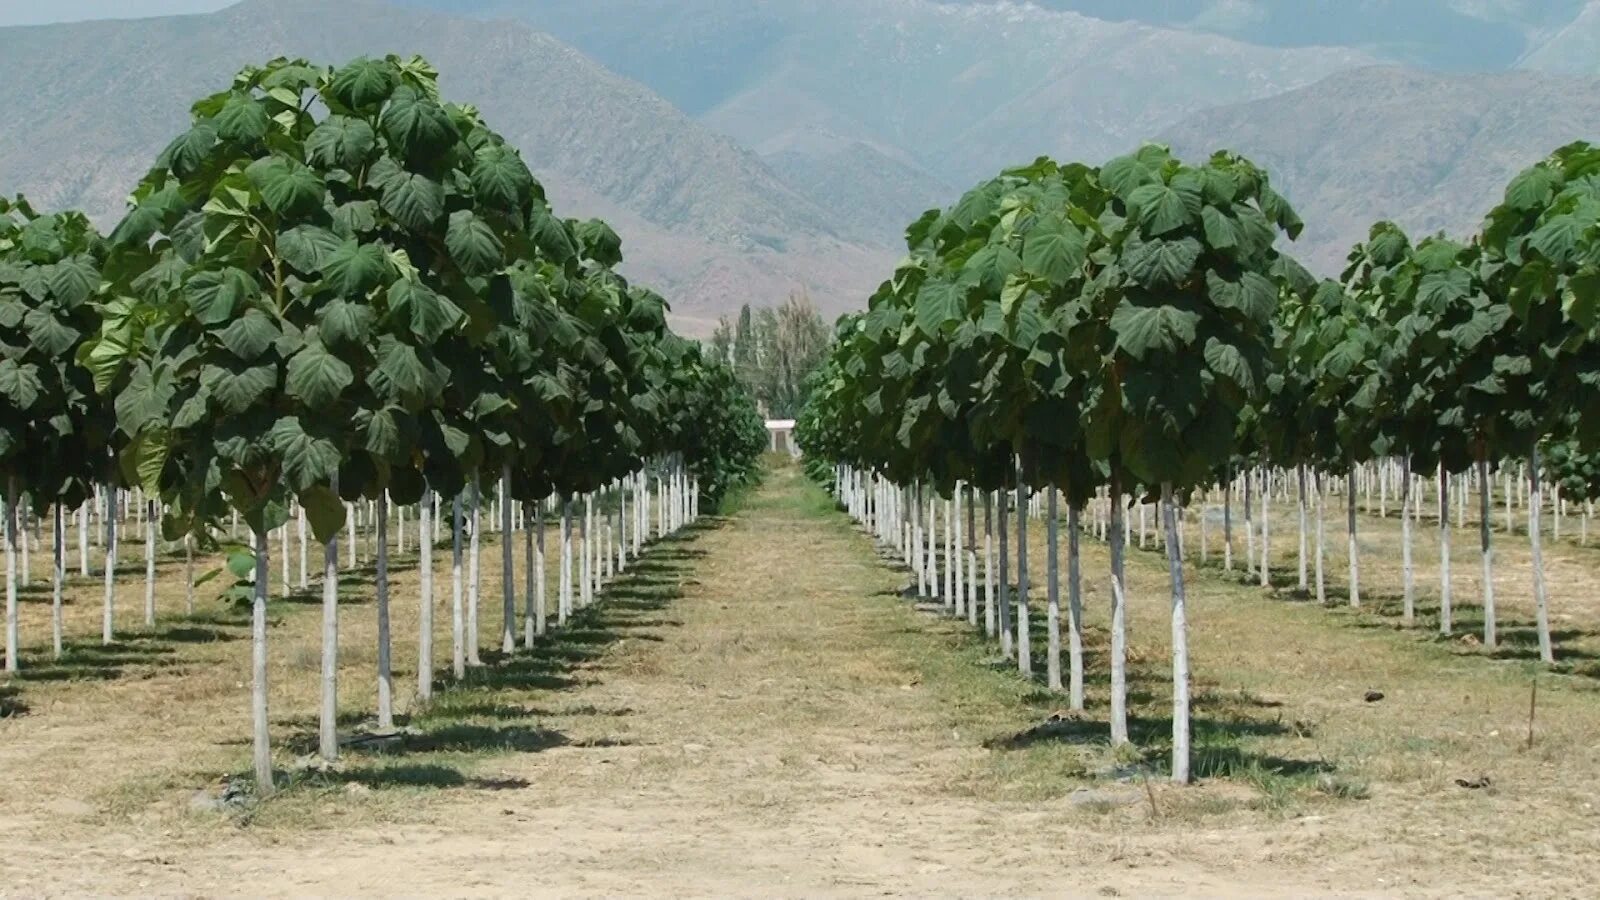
54,429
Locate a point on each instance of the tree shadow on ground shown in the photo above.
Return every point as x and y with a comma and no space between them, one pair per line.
503,706
11,702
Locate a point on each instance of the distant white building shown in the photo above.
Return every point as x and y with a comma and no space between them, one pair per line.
781,433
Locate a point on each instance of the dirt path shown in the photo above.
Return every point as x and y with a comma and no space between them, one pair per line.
748,715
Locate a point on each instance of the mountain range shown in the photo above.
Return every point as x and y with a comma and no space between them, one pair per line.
747,149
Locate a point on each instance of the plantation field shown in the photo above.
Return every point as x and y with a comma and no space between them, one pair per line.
756,707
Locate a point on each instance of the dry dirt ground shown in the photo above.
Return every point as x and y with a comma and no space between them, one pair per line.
757,710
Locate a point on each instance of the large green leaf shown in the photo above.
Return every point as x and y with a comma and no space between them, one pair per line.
344,324
415,201
428,313
307,247
354,270
416,124
249,335
236,390
1164,208
1141,329
365,83
286,186
473,244
74,279
316,377
500,178
215,296
307,459
19,383
1054,250
243,120
341,142
1161,263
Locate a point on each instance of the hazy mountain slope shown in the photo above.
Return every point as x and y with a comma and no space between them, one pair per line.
102,98
960,89
861,183
1470,35
1432,152
1573,49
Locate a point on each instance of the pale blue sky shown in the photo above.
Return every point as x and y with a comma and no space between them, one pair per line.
38,12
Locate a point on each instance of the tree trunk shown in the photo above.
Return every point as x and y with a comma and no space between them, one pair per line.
1119,616
109,609
1300,494
564,600
1321,557
1024,638
1541,601
1227,523
989,623
1266,531
1408,575
1487,548
385,675
508,629
1003,606
972,559
13,634
536,590
328,731
1180,638
458,620
1052,593
188,574
1249,524
1350,530
58,578
1446,613
1074,612
425,545
474,570
150,567
261,737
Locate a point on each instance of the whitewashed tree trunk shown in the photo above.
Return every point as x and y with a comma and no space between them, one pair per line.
1350,530
328,721
1119,616
1266,531
564,600
83,540
13,613
1003,604
1180,640
1486,548
474,571
1227,524
1446,612
1024,637
972,559
1540,599
261,741
508,628
150,567
458,619
990,626
350,531
1321,556
957,562
58,578
1407,572
1300,495
108,611
300,524
1052,593
188,574
1074,612
385,673
537,591
425,545
532,618
1249,524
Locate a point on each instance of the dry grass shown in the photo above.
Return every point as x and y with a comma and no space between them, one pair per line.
756,708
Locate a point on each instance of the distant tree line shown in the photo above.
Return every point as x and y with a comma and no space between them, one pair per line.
773,350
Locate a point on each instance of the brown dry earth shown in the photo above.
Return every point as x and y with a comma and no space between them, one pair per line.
762,715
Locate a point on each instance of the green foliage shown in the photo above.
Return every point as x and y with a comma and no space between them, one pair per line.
55,433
